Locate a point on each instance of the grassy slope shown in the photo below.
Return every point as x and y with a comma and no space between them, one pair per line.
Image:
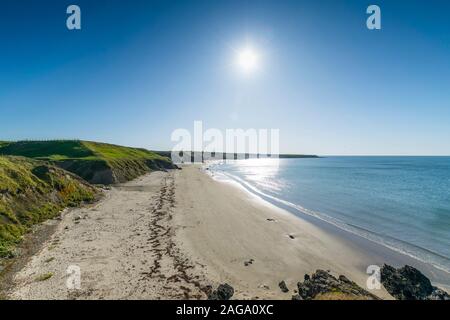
32,191
93,161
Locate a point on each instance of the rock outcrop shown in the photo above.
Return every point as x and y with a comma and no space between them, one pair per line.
322,285
408,283
283,287
223,292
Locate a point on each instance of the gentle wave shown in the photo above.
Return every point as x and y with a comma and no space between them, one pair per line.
422,254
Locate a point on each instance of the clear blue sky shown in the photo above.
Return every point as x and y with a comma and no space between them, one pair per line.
140,69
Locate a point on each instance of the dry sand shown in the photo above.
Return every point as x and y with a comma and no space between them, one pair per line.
171,235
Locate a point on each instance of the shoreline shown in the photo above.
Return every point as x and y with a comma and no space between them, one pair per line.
176,235
233,228
382,253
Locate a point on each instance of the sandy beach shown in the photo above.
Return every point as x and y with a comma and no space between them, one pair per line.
172,235
226,226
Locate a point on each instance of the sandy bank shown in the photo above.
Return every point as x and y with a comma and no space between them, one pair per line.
123,247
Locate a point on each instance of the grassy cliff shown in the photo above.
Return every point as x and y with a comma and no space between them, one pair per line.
95,162
32,191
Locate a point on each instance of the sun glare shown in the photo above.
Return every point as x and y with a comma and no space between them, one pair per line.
247,60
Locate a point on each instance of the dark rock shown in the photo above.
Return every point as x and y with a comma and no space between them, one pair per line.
408,283
438,294
208,289
283,286
322,282
297,297
344,279
223,292
249,262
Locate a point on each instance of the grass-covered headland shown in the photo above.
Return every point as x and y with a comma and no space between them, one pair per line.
97,163
40,178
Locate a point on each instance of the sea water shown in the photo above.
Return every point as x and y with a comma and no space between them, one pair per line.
400,202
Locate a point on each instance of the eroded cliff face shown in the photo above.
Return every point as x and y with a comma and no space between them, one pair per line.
32,191
110,172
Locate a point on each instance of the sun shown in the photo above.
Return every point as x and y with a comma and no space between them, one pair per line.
247,60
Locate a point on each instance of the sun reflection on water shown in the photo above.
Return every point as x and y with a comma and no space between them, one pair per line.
262,172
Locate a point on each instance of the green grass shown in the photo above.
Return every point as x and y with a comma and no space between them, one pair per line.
32,191
114,152
44,276
95,162
74,149
47,150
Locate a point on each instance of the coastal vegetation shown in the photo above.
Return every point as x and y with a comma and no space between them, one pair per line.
44,276
38,179
32,191
97,163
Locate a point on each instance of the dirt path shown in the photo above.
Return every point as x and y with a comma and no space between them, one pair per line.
123,247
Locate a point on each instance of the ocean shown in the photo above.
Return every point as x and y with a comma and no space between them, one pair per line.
400,202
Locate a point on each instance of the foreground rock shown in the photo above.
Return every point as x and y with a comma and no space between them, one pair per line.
408,283
323,286
283,286
223,292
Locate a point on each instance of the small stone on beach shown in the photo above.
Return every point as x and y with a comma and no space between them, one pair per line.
283,286
249,262
223,292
